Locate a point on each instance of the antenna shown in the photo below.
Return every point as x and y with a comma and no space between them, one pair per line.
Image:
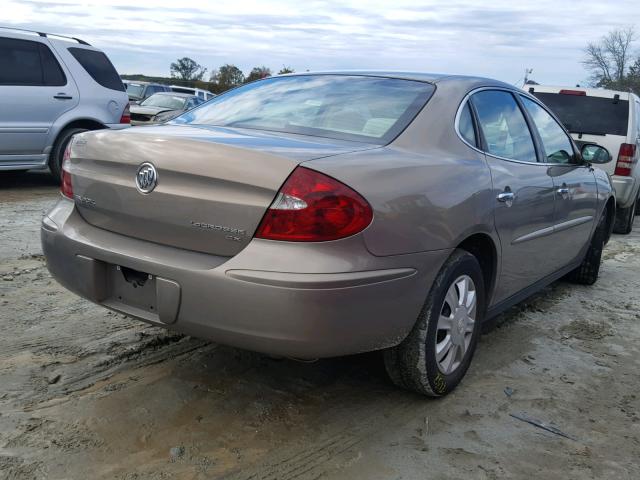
527,72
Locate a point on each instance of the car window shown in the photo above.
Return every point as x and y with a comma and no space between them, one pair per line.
99,67
348,107
169,102
465,125
556,143
23,62
576,113
504,126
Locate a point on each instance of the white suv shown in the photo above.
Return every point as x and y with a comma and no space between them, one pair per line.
52,87
608,118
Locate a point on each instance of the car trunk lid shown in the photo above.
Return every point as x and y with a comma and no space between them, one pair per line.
213,184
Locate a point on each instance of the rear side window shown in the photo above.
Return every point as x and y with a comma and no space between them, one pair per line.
588,115
556,143
465,125
23,62
503,125
99,67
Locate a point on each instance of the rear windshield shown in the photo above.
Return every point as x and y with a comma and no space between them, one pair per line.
347,107
589,115
99,67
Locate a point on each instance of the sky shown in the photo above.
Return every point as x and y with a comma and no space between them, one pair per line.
497,39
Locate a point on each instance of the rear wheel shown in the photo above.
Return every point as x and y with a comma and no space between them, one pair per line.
57,152
435,356
624,219
588,271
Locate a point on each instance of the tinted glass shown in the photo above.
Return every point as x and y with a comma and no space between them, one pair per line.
99,67
504,126
465,125
51,70
20,62
345,107
591,115
556,143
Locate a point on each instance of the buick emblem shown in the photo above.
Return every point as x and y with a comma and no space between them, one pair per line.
146,178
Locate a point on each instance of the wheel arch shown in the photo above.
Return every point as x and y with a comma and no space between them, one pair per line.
88,123
483,247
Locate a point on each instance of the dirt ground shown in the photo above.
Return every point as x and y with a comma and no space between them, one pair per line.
86,393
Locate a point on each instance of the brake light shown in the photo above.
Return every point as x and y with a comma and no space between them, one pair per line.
65,185
625,159
573,92
126,115
312,207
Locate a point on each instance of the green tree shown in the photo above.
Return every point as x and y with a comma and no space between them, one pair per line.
257,73
228,76
285,70
186,68
609,59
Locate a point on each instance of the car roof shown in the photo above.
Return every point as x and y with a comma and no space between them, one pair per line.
434,78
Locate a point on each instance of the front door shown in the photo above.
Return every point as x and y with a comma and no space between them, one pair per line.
575,187
524,192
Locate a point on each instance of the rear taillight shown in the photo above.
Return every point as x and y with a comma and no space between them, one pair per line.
625,159
65,185
312,207
126,115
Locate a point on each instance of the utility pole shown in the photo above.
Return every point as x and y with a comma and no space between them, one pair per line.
527,72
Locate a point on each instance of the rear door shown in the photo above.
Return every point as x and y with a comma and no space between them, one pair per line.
34,91
523,188
575,186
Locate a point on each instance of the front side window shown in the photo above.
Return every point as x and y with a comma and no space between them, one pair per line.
556,143
348,107
98,66
503,125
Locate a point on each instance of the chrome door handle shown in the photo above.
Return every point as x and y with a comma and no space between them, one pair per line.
506,198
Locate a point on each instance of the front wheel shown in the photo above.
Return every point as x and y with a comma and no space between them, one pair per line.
435,356
588,271
57,152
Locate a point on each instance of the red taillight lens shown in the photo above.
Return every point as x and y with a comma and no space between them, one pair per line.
126,115
312,207
65,185
580,93
625,159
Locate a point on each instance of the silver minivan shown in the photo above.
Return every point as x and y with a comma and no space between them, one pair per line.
51,88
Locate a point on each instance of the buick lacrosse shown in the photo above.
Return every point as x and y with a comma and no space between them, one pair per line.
327,214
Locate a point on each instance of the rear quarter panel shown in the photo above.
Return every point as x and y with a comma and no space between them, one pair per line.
428,189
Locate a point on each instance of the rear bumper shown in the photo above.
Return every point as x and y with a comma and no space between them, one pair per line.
352,302
626,190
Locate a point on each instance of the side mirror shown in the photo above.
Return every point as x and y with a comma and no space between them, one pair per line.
593,153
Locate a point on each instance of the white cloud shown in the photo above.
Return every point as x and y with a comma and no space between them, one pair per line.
498,39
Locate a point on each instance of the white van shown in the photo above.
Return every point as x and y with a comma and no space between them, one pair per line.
608,118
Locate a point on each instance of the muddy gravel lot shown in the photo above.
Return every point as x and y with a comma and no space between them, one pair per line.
86,393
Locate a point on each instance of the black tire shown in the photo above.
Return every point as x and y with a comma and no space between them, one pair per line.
57,152
412,364
625,217
587,272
